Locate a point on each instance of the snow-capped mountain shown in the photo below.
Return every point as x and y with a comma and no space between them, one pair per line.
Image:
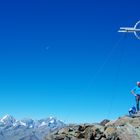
9,120
27,129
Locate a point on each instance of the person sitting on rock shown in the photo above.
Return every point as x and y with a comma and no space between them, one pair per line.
136,92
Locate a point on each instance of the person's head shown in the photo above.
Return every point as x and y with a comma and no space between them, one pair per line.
138,84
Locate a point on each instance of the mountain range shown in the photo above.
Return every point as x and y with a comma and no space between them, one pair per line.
27,129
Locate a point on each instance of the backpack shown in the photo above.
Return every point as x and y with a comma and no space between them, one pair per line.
132,110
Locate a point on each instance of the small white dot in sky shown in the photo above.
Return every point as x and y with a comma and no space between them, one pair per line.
47,48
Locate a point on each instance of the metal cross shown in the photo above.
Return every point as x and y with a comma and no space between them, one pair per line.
134,30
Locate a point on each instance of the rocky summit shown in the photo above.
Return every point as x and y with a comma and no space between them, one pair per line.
124,128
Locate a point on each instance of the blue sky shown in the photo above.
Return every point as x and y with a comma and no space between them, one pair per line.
51,53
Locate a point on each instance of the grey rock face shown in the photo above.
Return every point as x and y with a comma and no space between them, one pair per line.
124,128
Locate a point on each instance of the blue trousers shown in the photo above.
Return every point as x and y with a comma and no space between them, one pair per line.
137,102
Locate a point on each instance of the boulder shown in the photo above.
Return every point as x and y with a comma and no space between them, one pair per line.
124,128
104,122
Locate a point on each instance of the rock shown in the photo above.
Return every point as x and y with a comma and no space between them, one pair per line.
104,122
103,138
124,128
59,137
64,131
110,131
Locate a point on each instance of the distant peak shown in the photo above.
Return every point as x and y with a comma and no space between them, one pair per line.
50,117
7,118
